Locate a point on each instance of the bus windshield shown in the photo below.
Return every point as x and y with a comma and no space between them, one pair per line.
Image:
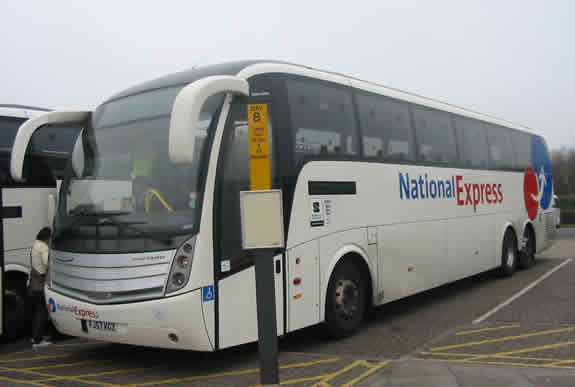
130,196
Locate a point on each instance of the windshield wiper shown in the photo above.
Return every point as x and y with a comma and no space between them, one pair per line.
88,210
84,212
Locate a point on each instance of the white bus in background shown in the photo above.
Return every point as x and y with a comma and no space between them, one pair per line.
386,194
27,206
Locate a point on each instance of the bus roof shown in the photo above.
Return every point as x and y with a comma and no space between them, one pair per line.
247,68
21,111
26,107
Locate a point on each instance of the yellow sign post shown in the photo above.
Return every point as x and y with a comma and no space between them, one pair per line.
259,147
256,207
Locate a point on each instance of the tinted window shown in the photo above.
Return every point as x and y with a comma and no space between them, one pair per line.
500,149
435,136
522,147
235,177
54,140
50,147
322,119
150,104
8,128
472,143
385,128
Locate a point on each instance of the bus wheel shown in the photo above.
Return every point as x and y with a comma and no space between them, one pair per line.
345,303
527,254
508,255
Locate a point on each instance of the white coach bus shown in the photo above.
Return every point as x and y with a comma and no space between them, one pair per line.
27,206
386,194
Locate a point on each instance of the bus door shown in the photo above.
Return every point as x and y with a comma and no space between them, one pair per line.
235,271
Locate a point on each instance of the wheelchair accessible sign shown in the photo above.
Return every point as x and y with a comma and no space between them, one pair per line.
208,293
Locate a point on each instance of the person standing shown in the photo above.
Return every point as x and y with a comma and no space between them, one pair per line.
39,267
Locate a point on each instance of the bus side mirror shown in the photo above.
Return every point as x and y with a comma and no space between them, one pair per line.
28,128
186,112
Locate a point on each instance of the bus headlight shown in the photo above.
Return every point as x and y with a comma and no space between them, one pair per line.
181,266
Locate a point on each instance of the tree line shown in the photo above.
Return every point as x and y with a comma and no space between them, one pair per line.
563,164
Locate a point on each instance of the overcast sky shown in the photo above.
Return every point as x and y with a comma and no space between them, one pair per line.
512,59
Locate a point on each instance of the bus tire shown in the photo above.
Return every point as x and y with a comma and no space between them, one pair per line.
526,256
508,255
345,300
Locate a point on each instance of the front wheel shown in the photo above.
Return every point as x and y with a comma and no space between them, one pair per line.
508,255
346,300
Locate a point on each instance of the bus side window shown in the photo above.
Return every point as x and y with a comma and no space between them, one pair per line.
500,149
472,143
522,148
435,136
386,128
322,119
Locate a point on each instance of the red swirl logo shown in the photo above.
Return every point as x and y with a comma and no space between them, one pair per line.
531,193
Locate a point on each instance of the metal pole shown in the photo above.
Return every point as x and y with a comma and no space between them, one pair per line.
267,327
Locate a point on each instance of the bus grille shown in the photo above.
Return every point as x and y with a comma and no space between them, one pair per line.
109,279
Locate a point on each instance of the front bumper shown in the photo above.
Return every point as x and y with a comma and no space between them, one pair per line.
174,322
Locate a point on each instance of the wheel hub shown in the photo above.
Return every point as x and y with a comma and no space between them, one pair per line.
346,298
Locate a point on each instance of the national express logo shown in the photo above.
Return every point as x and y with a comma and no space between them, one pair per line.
417,187
538,179
52,305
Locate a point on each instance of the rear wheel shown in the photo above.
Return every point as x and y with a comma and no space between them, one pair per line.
526,256
346,300
508,254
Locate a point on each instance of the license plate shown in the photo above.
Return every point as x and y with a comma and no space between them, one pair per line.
102,326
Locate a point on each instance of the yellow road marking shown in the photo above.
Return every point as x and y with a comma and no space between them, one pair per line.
309,363
199,377
231,373
492,363
64,365
76,378
324,381
487,329
79,378
33,358
504,355
501,339
479,359
373,369
524,350
500,356
559,362
302,380
31,382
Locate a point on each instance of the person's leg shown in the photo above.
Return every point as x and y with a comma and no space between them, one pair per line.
37,320
40,318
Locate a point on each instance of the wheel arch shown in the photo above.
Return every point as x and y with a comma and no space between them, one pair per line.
349,253
14,273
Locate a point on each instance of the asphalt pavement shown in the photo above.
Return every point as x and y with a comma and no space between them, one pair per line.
481,331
